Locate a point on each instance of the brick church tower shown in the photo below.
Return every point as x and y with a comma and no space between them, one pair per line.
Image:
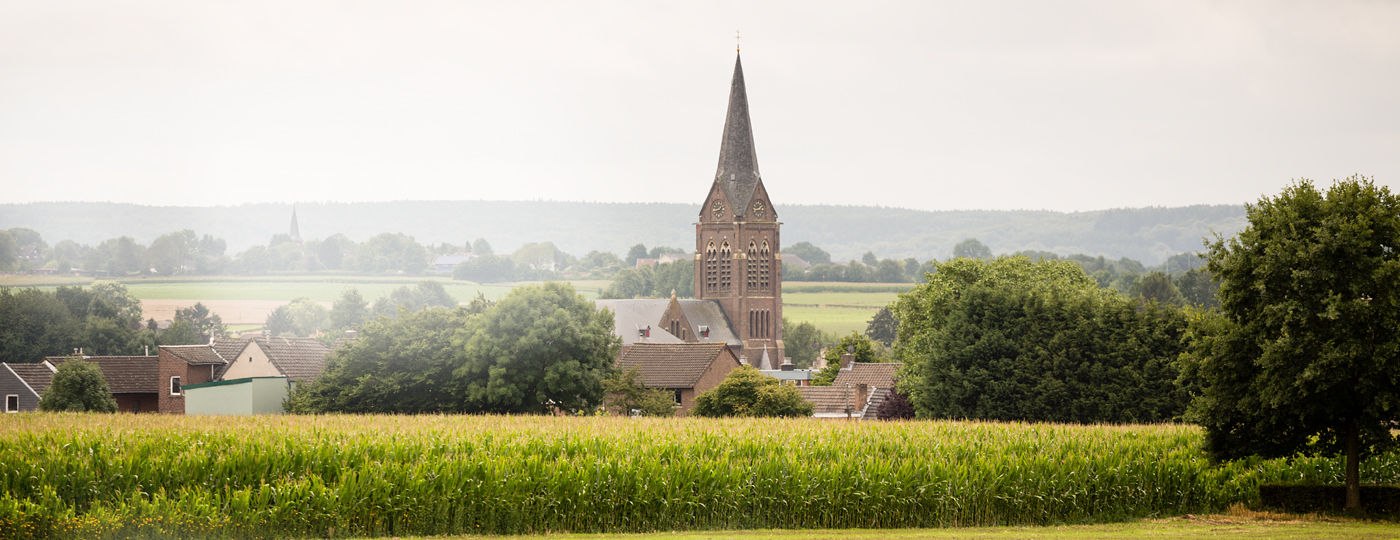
737,261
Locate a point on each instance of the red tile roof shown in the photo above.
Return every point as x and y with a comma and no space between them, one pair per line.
38,375
875,375
195,355
124,374
673,365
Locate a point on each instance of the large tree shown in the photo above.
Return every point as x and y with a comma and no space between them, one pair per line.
1306,353
1015,339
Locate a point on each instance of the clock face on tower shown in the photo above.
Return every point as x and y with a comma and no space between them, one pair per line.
759,210
717,209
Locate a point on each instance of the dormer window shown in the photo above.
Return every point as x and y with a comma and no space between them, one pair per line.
705,330
644,332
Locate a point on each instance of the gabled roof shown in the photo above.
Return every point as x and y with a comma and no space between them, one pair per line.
228,348
37,375
631,315
299,358
830,400
872,406
737,173
709,313
124,374
673,365
876,375
195,355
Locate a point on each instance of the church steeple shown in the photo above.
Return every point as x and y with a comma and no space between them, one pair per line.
738,174
295,232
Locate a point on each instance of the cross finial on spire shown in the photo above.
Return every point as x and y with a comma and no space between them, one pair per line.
737,41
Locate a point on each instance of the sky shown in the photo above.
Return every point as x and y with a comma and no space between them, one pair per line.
1065,106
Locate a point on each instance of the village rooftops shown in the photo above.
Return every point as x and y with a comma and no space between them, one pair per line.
875,375
124,374
671,365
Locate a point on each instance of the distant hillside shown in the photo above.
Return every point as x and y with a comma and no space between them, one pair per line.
1146,234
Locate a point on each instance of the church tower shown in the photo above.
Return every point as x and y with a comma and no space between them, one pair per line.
737,262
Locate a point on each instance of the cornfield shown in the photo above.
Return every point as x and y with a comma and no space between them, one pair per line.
93,476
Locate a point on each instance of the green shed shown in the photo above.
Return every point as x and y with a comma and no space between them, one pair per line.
249,395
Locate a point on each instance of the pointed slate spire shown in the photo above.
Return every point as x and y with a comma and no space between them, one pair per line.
738,163
295,231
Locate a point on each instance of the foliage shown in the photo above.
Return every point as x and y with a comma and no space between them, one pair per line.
206,323
1198,288
1304,354
895,407
883,327
78,386
349,311
301,317
425,294
625,393
485,269
103,319
746,392
391,252
803,342
365,476
860,346
655,281
180,333
9,251
808,252
1013,339
1158,287
972,249
540,349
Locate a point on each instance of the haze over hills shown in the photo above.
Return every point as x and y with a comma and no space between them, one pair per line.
1146,234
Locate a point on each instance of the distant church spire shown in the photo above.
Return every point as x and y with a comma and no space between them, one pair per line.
738,163
296,231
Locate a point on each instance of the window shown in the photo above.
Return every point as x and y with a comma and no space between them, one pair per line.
175,386
678,397
725,259
12,403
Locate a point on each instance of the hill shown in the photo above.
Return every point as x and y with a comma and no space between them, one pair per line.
1146,234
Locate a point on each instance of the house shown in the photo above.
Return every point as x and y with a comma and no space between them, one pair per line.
299,359
685,369
181,365
23,384
133,380
857,392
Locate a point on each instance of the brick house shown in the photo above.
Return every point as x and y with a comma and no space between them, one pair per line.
180,365
857,392
132,379
685,369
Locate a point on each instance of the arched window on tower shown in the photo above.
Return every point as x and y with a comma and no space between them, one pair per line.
726,257
751,266
765,258
711,267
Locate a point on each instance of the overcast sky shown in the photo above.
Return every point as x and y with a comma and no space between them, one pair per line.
927,105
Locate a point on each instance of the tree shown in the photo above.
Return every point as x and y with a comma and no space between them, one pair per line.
746,392
349,311
485,269
78,386
638,251
481,247
804,341
540,349
859,346
1015,339
423,295
180,333
626,393
391,252
883,327
206,323
9,251
300,317
869,259
1198,288
1158,287
972,249
810,253
1304,353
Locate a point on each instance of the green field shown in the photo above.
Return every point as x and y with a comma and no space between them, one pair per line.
157,476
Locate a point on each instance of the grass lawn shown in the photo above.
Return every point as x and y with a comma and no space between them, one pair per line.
1234,525
837,321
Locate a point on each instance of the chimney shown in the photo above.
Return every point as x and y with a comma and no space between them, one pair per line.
847,360
862,395
787,364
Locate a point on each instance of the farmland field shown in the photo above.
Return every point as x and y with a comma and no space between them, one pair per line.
89,476
836,308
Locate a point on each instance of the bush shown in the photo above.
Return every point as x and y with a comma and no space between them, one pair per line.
78,386
746,392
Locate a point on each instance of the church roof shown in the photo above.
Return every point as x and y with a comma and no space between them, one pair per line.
630,316
737,174
709,313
